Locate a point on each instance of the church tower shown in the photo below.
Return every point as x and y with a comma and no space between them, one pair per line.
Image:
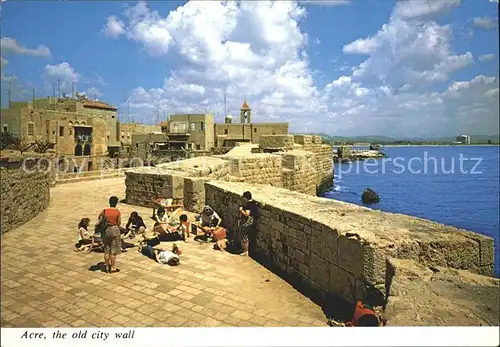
246,113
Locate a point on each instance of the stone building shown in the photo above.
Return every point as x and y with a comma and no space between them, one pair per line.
228,133
199,132
193,132
82,131
128,130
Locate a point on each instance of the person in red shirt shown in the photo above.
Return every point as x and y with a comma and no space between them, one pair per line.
111,238
364,316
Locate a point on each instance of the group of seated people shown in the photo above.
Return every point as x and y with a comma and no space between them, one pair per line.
165,228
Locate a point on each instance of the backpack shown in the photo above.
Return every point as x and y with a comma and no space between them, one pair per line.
102,225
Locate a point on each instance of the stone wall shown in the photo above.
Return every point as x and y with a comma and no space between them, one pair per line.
146,184
194,193
341,249
24,190
276,141
323,160
299,171
177,180
258,168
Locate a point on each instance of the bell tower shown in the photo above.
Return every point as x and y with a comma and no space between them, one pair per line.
245,113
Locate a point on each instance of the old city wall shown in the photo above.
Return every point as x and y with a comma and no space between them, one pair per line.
341,249
322,161
299,173
296,170
24,190
257,168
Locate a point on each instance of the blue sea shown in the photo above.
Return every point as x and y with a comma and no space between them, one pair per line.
455,185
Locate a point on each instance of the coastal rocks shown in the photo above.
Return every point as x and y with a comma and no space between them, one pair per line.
370,197
345,154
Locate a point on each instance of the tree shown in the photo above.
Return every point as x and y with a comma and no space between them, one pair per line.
21,145
6,139
42,146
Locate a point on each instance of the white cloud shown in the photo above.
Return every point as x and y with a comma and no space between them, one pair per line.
4,63
257,50
486,57
253,50
485,22
61,75
325,2
409,51
10,45
423,9
114,27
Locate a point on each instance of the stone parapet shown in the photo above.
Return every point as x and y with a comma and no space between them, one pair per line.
276,141
194,193
257,168
301,174
341,249
24,190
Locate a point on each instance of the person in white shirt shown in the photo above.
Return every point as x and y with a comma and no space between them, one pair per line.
162,256
84,240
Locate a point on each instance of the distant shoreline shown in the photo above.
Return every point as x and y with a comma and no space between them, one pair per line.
424,145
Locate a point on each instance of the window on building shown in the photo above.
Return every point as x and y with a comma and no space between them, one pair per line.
31,129
5,128
136,145
202,126
193,126
225,131
198,147
128,135
61,131
254,130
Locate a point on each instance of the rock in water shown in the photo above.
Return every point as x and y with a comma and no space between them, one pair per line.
370,197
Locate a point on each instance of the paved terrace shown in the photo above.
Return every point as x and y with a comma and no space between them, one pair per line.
46,284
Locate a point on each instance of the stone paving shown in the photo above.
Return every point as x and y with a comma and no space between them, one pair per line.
46,284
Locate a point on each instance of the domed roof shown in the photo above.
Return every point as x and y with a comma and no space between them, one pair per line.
245,106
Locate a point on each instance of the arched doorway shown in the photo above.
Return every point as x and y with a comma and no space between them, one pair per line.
86,149
78,150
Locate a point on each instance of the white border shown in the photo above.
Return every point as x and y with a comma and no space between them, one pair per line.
221,337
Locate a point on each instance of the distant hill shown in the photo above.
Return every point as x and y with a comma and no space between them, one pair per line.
475,139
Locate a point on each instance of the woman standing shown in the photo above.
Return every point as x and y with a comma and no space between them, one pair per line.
246,222
111,238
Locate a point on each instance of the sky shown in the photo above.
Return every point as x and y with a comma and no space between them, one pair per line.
417,68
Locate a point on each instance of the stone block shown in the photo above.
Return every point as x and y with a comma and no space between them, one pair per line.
343,283
351,255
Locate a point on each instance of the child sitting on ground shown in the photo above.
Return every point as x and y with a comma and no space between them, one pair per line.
135,224
85,240
162,256
175,233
